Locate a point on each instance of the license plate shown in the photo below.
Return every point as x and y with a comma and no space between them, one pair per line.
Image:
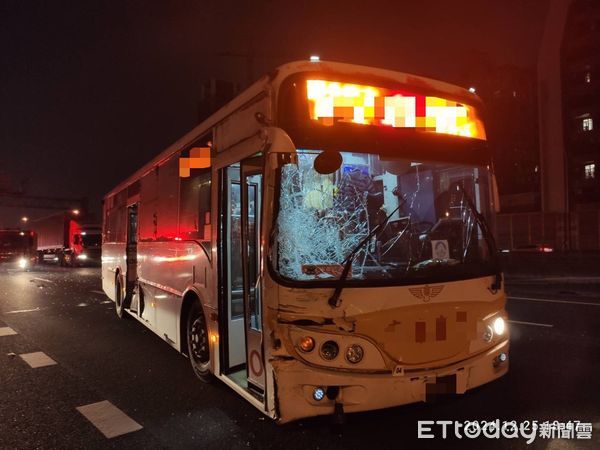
442,385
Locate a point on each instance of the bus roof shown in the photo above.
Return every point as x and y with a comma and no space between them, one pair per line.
275,78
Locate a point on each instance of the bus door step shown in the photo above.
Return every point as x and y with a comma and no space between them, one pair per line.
257,392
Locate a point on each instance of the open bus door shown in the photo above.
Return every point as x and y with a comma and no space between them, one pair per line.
252,182
239,279
131,253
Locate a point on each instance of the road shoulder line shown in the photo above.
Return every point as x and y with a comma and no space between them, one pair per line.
548,300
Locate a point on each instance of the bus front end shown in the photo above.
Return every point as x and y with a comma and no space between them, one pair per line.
385,268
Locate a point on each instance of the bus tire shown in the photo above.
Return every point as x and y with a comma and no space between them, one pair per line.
119,307
198,344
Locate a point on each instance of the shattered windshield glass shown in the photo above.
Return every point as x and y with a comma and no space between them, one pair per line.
431,229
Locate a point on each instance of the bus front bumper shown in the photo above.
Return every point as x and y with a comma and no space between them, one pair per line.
296,384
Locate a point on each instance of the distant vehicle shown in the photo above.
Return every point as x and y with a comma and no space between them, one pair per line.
532,248
320,244
64,238
18,248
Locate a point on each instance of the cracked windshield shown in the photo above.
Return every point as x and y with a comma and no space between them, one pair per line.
392,218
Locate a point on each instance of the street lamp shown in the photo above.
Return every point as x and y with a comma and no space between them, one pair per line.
75,212
24,219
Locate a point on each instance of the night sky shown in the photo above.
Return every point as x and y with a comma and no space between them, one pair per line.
91,90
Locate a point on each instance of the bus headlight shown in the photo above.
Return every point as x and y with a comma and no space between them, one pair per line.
488,334
354,354
499,326
22,263
306,344
82,256
329,350
318,393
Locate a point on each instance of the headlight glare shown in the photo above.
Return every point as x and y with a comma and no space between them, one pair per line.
22,263
318,393
499,326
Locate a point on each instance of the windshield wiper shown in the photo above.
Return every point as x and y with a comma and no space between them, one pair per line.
487,234
334,300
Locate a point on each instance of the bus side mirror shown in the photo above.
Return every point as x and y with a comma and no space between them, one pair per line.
495,194
328,162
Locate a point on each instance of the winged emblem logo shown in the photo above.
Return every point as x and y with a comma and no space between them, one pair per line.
426,292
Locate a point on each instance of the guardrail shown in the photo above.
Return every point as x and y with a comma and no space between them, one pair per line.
573,231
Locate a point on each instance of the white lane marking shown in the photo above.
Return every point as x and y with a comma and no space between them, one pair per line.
37,359
106,301
7,331
98,292
518,322
82,304
22,311
43,279
109,419
547,300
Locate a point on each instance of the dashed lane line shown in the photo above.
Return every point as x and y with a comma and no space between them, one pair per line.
18,311
547,300
37,359
519,322
109,419
43,279
7,331
98,292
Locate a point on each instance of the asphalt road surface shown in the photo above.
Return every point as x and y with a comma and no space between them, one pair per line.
90,357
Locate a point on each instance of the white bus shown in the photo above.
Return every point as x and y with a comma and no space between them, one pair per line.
320,244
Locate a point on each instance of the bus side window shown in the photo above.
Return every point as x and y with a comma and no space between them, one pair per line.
194,215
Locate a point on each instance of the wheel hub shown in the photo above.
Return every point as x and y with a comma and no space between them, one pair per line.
199,341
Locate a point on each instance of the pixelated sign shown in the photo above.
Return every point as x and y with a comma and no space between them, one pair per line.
332,102
199,159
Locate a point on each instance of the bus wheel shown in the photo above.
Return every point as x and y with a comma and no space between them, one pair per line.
120,309
198,345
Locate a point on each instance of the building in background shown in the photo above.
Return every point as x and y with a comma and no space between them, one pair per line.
568,87
510,96
580,69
